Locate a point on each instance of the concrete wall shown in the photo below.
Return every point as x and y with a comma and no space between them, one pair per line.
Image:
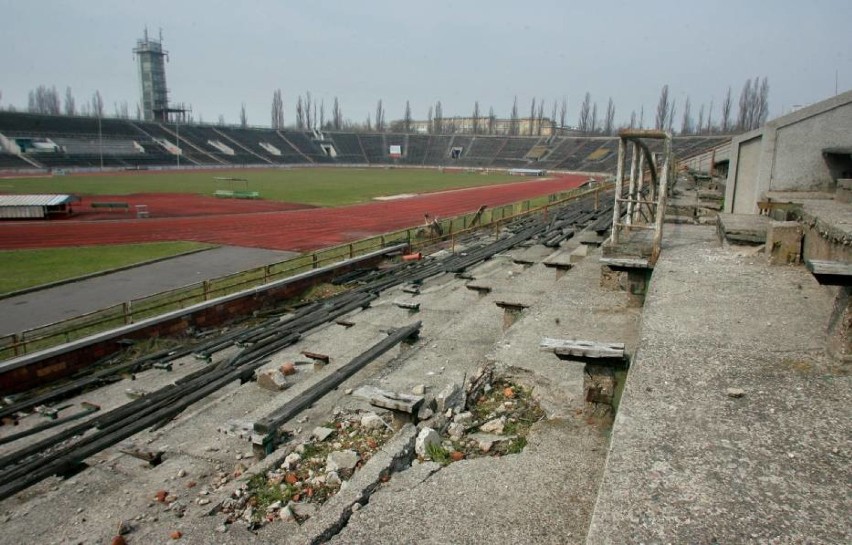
790,154
746,169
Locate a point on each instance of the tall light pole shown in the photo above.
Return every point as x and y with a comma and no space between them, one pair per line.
100,141
177,132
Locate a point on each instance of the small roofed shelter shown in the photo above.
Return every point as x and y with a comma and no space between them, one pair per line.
13,207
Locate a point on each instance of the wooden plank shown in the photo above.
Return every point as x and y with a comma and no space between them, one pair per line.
830,273
583,349
406,305
389,400
315,356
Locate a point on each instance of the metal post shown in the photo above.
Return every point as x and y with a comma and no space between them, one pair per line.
616,207
661,203
177,133
640,183
631,190
100,141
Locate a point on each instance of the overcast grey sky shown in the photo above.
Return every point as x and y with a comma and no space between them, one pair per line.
224,53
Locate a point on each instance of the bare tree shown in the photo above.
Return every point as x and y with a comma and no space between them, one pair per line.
642,117
514,127
406,117
492,120
44,100
221,121
97,104
593,123
531,127
686,123
700,122
710,119
563,113
540,116
663,109
309,122
314,118
609,122
726,113
744,115
337,115
300,114
584,121
243,118
553,113
671,116
438,120
762,109
70,107
476,117
125,110
138,111
380,117
429,126
632,124
277,110
322,114
369,126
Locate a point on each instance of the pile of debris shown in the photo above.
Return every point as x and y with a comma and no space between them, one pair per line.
312,472
494,420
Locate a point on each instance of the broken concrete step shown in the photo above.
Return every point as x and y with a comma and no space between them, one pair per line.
743,228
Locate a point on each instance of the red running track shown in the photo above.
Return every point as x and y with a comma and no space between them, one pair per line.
295,230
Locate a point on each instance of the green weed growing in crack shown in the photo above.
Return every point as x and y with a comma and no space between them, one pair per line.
438,454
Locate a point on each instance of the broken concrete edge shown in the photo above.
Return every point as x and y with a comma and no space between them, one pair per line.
828,231
104,272
333,516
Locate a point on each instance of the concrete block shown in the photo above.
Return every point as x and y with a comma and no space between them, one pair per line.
784,242
579,253
272,379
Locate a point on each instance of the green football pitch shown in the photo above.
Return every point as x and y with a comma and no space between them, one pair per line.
314,186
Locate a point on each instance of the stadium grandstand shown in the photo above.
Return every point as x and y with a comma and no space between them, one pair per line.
45,142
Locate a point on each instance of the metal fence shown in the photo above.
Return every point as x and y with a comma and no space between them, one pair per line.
128,312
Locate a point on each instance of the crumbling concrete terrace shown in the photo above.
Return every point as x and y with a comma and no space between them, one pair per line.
734,425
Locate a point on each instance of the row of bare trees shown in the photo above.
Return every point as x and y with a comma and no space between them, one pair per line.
46,100
753,111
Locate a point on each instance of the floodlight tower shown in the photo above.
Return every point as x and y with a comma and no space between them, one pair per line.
152,77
